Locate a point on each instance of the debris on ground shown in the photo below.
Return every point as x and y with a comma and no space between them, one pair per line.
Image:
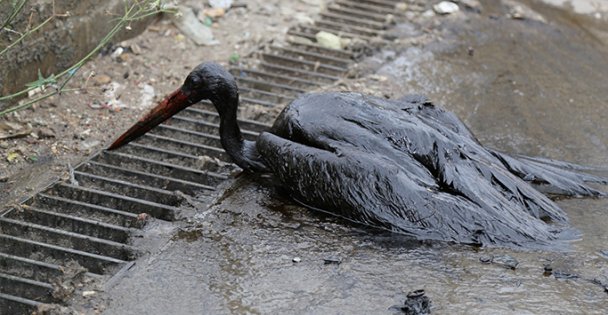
329,40
10,129
445,7
296,259
220,4
505,261
187,22
417,303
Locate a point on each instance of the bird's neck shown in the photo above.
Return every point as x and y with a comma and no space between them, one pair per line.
242,152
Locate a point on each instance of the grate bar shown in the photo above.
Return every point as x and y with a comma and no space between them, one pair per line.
365,14
353,20
252,90
207,178
17,305
365,7
188,146
340,27
340,62
27,288
178,164
315,29
210,129
258,102
271,84
300,71
314,65
112,200
72,223
73,207
23,247
280,77
168,183
124,188
63,238
29,268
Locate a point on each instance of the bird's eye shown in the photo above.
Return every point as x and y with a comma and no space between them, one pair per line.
193,80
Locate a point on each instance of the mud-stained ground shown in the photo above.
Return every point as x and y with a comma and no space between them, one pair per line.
535,85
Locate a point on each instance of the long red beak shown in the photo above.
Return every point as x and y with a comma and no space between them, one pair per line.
170,106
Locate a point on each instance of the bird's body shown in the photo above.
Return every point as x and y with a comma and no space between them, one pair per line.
405,165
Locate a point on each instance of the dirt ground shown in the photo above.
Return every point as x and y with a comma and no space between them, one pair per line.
62,131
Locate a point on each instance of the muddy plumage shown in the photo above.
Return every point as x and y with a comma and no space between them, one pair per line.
403,165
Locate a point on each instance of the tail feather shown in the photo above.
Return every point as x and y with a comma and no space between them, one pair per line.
556,177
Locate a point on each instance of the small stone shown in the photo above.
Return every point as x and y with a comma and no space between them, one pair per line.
102,79
486,259
124,57
296,259
117,52
46,133
135,49
471,4
446,7
428,14
328,40
88,293
506,261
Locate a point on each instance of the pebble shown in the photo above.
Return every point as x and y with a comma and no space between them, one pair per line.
46,133
445,7
117,52
506,261
135,49
88,293
220,4
102,79
296,259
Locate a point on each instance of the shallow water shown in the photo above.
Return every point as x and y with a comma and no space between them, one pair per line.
527,87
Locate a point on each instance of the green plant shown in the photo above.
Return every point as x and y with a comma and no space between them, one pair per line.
134,10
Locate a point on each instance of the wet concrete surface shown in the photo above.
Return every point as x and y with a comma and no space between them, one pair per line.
523,87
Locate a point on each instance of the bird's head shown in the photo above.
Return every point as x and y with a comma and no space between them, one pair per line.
208,81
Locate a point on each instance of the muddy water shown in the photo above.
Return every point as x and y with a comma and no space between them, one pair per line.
523,86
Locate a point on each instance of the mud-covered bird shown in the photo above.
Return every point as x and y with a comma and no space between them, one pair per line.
404,165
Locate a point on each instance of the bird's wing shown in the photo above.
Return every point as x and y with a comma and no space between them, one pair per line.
381,192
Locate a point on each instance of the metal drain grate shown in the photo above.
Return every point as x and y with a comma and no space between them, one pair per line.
91,219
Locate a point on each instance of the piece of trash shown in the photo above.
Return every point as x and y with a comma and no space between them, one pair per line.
12,156
117,52
147,96
446,7
234,58
14,130
35,91
88,293
505,261
486,259
416,303
328,40
332,261
194,29
220,4
547,270
214,13
296,259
